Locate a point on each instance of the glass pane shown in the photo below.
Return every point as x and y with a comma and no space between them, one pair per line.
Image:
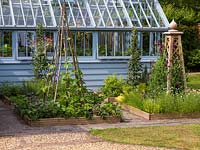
5,44
28,15
38,13
85,13
106,16
83,43
146,39
140,14
114,43
1,15
18,13
106,44
77,14
114,14
70,16
105,13
96,13
1,44
131,14
102,44
26,44
6,12
157,15
57,10
80,43
28,12
49,43
88,44
47,15
97,18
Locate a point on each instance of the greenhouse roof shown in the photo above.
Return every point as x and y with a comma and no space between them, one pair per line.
84,14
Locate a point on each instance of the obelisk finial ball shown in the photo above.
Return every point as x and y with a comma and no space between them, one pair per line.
173,25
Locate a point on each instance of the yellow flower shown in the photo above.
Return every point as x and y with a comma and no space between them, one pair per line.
120,98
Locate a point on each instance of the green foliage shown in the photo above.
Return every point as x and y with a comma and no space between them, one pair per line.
158,77
134,99
72,101
112,86
40,63
151,106
194,60
107,109
75,107
9,89
33,87
177,82
165,103
134,64
190,32
145,75
36,109
183,15
186,13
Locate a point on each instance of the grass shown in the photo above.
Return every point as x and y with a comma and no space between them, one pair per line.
194,81
183,136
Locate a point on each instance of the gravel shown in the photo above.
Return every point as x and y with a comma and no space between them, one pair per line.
63,141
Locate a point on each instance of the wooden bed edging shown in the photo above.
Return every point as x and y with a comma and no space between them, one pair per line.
71,121
150,116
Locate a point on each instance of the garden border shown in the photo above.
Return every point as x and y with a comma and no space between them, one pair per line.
150,116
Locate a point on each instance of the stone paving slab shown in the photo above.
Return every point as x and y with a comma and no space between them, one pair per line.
136,121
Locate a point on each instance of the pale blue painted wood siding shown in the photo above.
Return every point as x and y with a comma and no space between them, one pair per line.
94,72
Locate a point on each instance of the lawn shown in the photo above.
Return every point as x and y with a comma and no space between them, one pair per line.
184,136
194,81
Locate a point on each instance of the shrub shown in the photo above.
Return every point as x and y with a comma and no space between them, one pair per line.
158,77
112,86
134,64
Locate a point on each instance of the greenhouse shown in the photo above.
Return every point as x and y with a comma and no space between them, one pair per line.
101,33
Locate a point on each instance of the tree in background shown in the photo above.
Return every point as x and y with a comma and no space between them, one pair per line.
187,15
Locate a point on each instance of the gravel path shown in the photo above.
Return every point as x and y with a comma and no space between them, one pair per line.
15,135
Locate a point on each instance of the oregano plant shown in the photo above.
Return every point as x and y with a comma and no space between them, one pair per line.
134,64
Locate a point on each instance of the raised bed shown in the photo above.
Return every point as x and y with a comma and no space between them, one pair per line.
63,121
71,121
150,116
